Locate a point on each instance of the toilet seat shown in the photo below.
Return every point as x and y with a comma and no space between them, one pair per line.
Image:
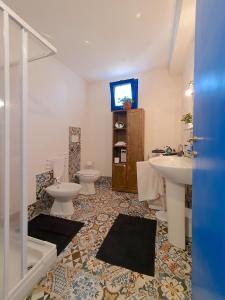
88,172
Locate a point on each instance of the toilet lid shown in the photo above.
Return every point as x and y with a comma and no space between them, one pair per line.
88,172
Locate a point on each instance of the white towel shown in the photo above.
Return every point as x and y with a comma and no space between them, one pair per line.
150,184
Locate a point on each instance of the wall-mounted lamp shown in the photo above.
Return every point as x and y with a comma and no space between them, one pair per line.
190,90
1,103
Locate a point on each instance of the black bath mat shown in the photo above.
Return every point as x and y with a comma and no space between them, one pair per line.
54,230
130,243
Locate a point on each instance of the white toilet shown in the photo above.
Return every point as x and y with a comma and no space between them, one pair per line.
87,178
63,192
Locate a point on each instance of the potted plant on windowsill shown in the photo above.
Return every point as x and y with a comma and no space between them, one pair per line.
127,103
188,120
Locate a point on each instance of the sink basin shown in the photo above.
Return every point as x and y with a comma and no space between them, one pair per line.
175,168
177,171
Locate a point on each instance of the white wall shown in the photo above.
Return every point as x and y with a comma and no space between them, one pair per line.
57,100
187,76
98,130
159,95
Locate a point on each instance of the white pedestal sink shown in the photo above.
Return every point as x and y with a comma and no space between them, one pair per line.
177,172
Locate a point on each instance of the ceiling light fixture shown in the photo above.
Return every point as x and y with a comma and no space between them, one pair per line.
1,103
138,15
87,43
190,90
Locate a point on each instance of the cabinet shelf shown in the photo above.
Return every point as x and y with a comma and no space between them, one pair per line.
120,164
120,146
118,129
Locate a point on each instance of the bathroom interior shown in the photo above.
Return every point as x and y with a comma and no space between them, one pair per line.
97,149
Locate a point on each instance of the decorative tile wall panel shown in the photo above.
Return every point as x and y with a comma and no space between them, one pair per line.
44,201
74,152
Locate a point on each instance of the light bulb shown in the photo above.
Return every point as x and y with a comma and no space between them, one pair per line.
1,103
138,15
190,90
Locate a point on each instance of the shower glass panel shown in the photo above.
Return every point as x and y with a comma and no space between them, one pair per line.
15,250
19,40
1,154
15,208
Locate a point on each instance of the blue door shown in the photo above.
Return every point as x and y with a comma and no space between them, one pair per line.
209,172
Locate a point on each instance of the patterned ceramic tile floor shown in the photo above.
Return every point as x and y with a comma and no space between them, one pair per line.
78,275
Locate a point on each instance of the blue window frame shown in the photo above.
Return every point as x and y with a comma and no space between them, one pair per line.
121,89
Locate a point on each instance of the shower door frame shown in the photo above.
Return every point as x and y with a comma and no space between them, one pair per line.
26,29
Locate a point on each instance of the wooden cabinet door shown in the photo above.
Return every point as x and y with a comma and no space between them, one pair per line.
135,142
119,177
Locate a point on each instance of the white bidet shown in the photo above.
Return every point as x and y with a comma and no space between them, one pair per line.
63,194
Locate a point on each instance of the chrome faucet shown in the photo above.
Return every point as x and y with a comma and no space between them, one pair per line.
56,180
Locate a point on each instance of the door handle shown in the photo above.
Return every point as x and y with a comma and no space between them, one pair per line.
194,154
195,139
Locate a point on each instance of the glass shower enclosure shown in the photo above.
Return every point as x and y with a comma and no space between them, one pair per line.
22,259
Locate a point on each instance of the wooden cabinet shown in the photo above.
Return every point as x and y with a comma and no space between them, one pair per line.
124,174
119,177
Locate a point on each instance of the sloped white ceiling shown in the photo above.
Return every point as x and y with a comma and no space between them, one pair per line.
101,39
183,35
